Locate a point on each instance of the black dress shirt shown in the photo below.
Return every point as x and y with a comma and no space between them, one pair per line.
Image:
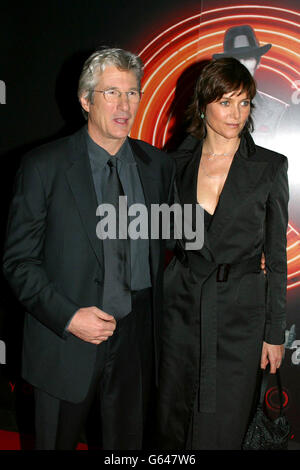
132,187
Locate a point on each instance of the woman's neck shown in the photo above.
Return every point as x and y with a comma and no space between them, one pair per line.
218,145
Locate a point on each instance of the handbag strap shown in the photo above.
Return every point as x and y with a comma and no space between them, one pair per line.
264,384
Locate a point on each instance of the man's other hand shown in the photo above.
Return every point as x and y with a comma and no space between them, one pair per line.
92,325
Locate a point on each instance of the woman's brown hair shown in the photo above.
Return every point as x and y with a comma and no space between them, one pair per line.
218,77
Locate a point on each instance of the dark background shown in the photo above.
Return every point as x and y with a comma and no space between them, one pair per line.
42,49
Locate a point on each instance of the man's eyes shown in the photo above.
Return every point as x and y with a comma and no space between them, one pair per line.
111,92
117,92
132,93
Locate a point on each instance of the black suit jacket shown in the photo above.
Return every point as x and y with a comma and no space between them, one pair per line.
53,258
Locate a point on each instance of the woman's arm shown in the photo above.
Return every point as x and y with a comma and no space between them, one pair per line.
276,266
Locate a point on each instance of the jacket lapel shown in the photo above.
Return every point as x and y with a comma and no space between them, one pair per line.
186,182
150,187
242,178
79,177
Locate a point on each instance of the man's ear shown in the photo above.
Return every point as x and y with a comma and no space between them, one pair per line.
85,103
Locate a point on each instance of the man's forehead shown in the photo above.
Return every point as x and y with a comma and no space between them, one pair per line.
112,75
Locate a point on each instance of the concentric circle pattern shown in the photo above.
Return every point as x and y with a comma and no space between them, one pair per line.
272,399
172,60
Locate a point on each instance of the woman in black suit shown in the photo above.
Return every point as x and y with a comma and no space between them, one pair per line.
224,317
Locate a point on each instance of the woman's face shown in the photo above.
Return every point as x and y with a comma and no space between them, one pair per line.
227,116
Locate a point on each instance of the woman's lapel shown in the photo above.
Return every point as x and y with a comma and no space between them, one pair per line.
242,178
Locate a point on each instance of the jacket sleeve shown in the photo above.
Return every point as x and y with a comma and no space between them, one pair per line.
23,262
276,255
171,242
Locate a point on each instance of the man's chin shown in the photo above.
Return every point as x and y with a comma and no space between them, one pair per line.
120,135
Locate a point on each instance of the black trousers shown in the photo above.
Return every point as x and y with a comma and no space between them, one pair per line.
121,390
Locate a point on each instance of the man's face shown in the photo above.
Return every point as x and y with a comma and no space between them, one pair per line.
250,63
110,123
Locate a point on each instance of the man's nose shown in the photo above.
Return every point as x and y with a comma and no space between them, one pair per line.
123,102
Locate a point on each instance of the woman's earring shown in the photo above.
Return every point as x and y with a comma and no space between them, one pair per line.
202,116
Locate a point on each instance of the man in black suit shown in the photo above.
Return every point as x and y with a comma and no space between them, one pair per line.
93,304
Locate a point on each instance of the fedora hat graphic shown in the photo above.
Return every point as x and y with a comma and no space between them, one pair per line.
241,42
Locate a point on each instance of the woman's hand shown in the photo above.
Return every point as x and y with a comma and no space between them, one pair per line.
263,263
271,354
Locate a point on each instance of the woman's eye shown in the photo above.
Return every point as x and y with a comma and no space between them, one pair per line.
245,103
225,103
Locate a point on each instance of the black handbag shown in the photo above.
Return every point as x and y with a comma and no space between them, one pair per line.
263,432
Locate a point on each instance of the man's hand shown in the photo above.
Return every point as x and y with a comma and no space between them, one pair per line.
271,353
92,325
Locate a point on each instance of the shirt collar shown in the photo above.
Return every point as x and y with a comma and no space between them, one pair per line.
101,156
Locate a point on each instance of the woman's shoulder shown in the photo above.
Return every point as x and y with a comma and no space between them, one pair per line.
186,151
262,154
274,159
189,143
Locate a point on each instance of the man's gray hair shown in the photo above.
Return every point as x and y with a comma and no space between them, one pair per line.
95,65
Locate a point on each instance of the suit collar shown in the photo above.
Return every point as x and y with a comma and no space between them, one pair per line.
148,177
188,164
80,180
247,146
79,148
240,183
138,151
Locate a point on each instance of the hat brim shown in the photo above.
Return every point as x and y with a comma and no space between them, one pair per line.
240,52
